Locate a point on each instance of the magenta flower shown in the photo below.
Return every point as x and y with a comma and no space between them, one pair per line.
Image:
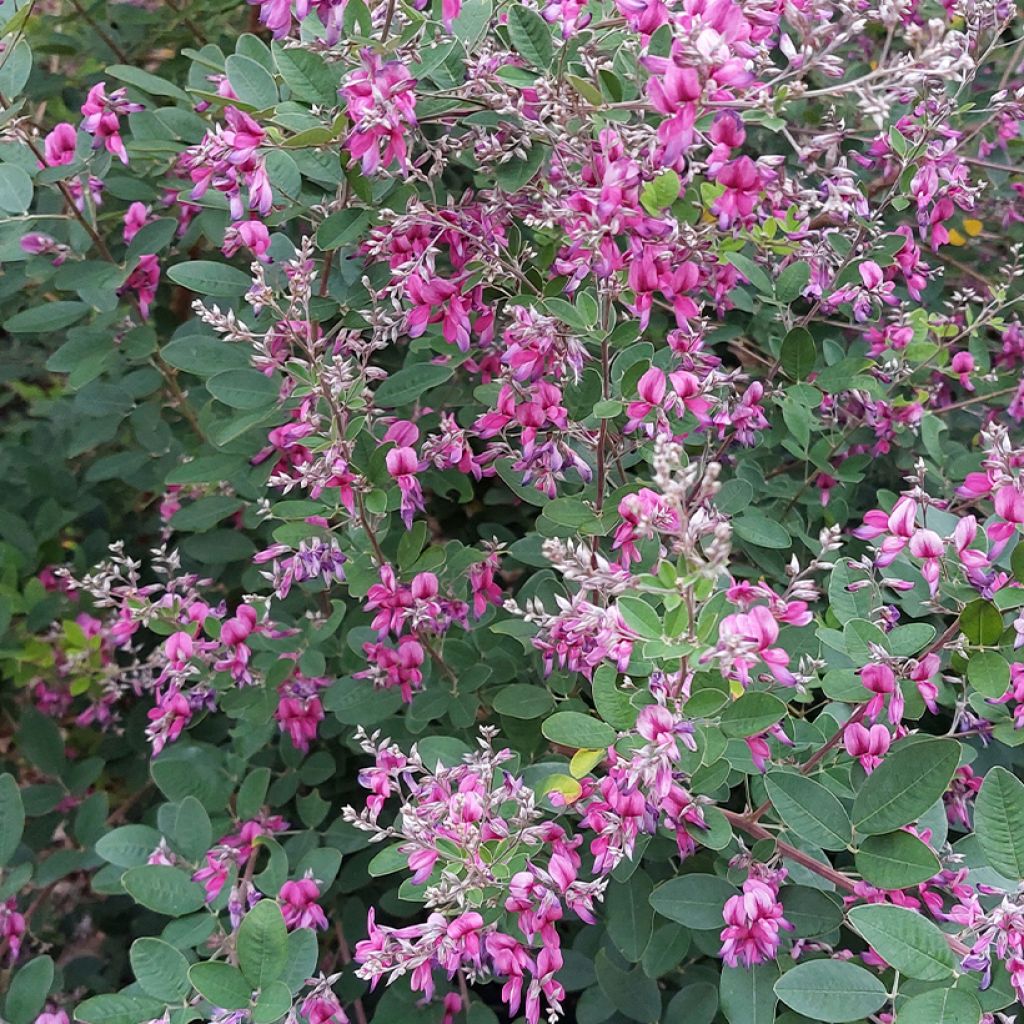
382,110
102,119
59,145
869,746
299,904
753,920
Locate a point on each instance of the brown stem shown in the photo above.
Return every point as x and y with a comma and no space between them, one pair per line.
170,376
826,871
387,21
374,543
346,959
91,22
439,661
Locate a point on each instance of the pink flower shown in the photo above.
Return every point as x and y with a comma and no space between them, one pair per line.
403,464
742,189
143,281
382,110
134,220
101,118
35,243
247,234
881,681
59,145
300,717
927,545
12,928
963,365
178,649
322,1007
753,919
299,904
745,637
168,719
921,675
867,745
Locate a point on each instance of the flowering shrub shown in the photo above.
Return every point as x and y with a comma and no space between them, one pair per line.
512,510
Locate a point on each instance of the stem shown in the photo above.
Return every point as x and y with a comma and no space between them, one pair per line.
170,376
826,871
345,956
387,21
91,22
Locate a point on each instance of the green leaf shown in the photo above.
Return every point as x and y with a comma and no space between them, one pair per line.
989,673
49,316
530,36
205,277
629,915
12,817
39,739
612,704
128,846
640,616
472,21
905,940
1017,562
694,900
28,989
810,810
253,83
203,356
751,271
17,65
409,384
303,951
762,531
153,84
273,1003
263,944
812,912
388,861
747,995
666,950
999,822
981,622
153,237
160,970
205,513
192,833
308,76
798,354
632,993
355,703
341,228
166,890
792,281
896,860
15,189
908,782
752,713
245,388
118,1009
221,984
521,700
660,192
831,991
941,1006
577,730
513,174
844,604
218,547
